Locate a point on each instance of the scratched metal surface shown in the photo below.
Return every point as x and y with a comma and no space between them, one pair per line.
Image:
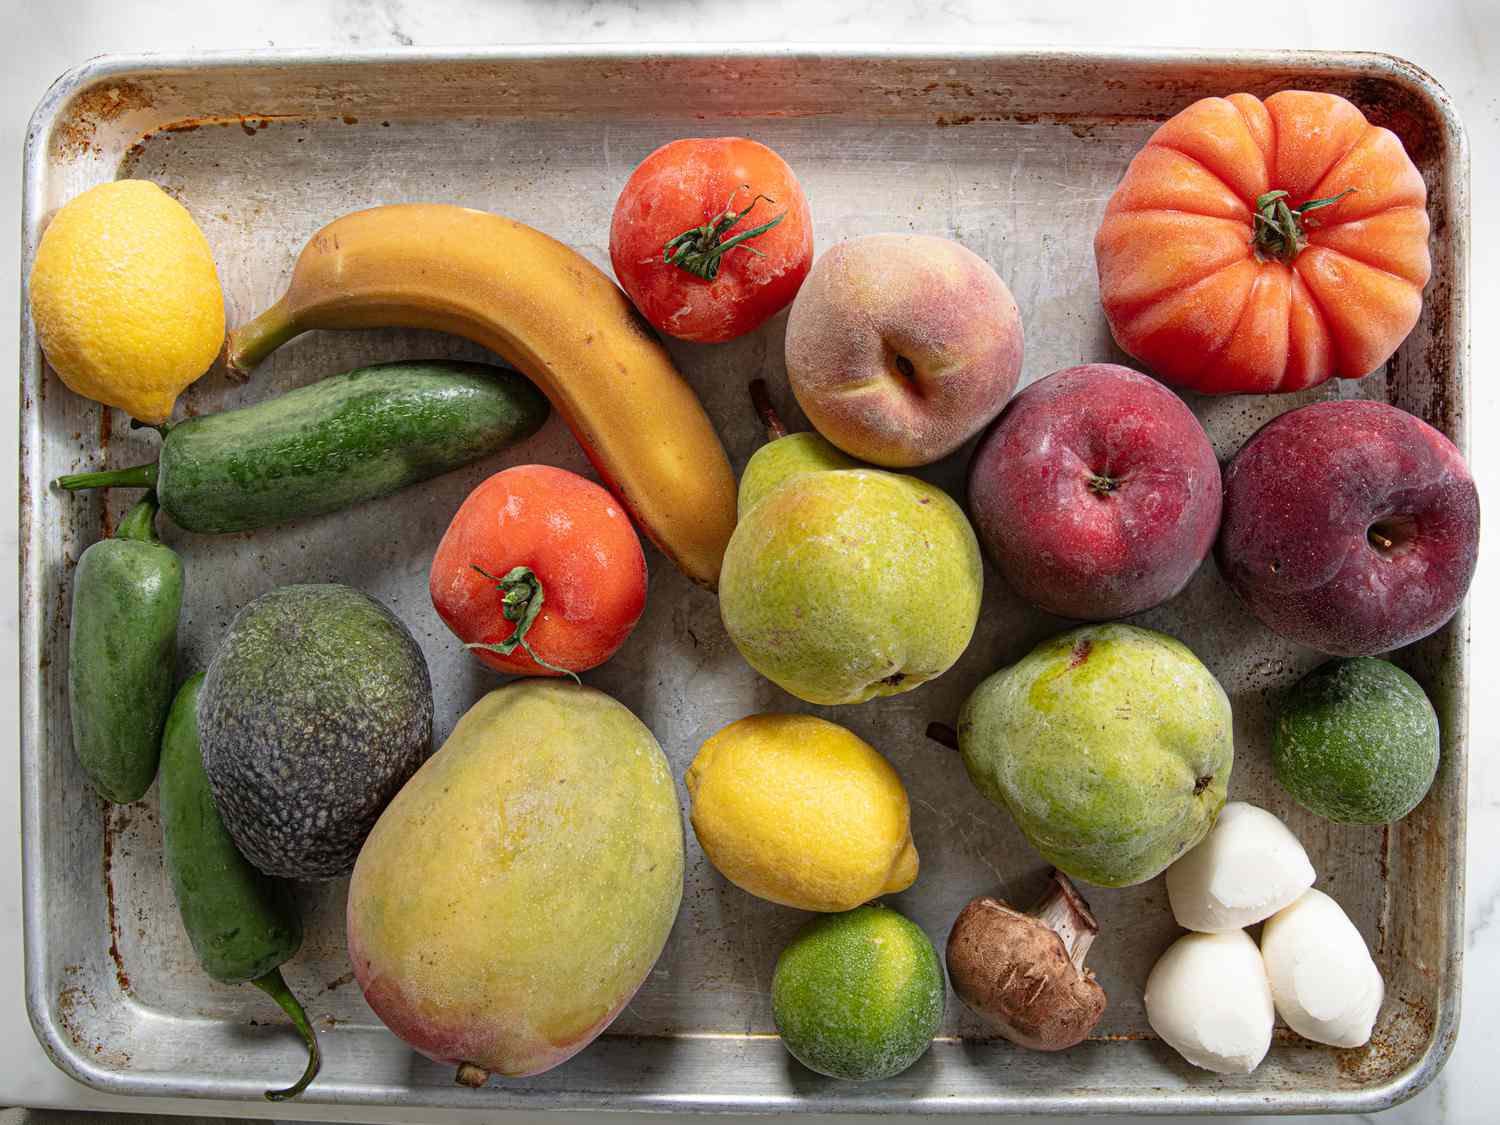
1013,154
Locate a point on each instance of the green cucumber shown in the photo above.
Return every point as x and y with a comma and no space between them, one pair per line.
329,445
242,924
122,654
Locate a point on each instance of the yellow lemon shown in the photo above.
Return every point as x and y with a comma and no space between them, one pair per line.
125,298
802,812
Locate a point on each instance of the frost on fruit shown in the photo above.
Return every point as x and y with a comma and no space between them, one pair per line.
1246,869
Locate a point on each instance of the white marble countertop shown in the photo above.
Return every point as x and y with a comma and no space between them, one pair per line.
1457,40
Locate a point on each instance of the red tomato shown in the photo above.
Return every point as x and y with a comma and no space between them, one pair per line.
1265,246
542,563
690,199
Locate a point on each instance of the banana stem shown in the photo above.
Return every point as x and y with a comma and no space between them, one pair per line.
274,986
137,476
251,342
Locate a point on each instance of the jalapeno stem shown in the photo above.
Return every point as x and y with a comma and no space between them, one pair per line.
137,476
140,522
274,986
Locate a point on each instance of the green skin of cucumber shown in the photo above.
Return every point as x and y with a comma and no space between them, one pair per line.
332,444
242,924
122,654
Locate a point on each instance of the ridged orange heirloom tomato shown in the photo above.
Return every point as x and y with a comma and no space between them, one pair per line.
1265,246
540,573
711,237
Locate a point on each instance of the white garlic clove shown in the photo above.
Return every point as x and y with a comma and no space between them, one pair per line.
1208,999
1323,980
1246,869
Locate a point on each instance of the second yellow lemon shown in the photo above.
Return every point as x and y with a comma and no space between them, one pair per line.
125,298
802,812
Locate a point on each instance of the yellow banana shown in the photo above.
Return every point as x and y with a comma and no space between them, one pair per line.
554,316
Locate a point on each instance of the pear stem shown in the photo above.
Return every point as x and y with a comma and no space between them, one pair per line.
943,735
765,410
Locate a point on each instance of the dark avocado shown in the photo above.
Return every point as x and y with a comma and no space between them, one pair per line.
315,710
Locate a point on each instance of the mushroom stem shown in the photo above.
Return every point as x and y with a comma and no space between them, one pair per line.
1025,971
1065,911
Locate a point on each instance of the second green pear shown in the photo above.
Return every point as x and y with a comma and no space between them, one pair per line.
841,582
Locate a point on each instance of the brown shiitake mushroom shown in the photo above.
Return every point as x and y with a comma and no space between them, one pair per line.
1024,971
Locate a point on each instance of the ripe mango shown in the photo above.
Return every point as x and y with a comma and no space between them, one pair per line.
513,897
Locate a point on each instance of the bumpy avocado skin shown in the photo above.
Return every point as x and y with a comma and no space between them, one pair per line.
315,710
1357,742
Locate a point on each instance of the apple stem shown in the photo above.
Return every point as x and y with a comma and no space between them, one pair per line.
765,410
1102,485
1381,541
943,735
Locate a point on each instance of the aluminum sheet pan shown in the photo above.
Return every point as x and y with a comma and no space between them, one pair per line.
1013,153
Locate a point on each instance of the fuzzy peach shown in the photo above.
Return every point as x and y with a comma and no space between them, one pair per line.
901,347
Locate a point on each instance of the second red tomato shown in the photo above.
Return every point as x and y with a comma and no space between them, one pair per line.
681,240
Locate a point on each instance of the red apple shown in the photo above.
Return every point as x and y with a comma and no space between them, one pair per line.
1096,492
1350,527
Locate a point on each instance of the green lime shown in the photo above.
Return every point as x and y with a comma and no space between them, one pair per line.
1357,742
858,995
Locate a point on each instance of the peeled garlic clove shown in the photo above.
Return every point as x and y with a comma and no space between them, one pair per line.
1323,980
1208,999
1246,869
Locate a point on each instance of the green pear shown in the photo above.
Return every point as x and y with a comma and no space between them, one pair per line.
842,583
1111,746
793,455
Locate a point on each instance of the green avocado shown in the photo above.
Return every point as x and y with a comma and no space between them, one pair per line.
315,710
1357,742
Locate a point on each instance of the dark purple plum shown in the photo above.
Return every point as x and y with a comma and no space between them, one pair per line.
1351,527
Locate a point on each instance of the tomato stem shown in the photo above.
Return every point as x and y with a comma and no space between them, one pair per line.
520,601
1278,234
699,250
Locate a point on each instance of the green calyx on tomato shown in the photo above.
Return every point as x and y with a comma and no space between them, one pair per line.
520,602
1278,234
699,250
